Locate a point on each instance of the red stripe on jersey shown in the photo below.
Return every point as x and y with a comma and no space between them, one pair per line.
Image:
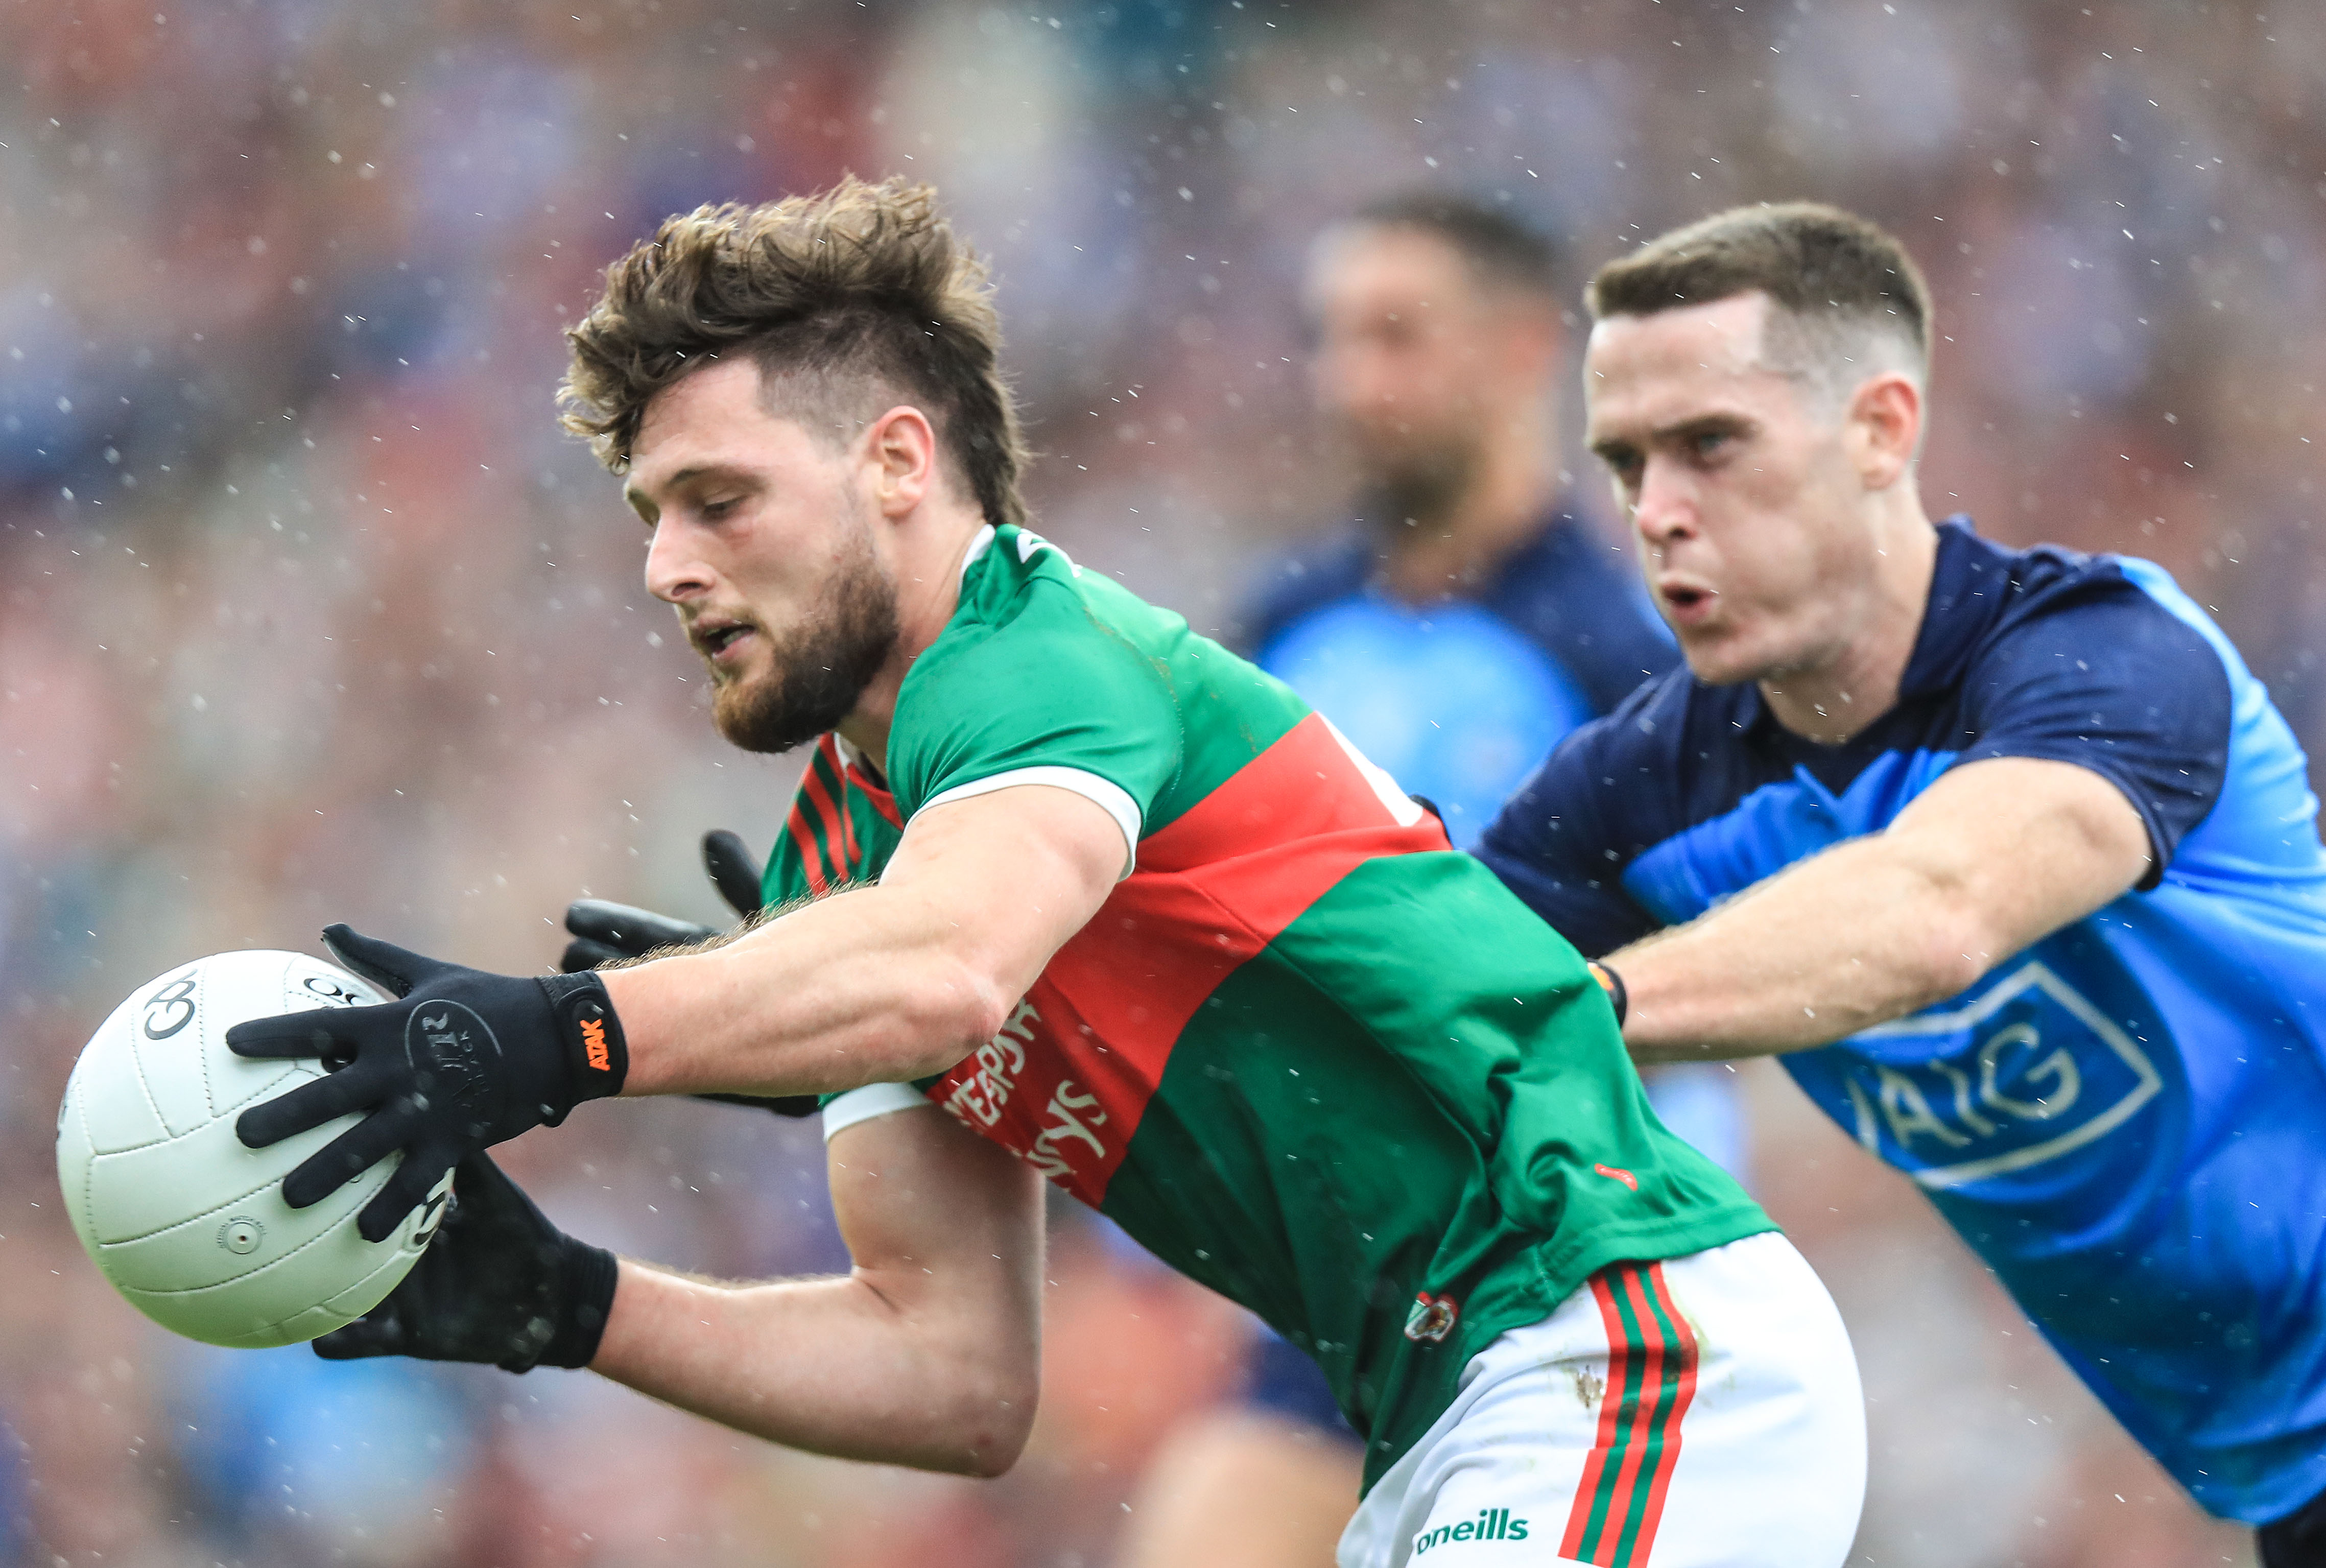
841,775
1065,1082
1302,786
858,776
803,840
835,838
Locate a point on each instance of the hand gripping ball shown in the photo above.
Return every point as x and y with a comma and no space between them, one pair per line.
190,1225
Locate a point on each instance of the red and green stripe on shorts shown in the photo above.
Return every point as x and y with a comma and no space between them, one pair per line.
1651,1363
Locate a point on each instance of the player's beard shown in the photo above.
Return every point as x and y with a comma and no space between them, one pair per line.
817,670
1417,483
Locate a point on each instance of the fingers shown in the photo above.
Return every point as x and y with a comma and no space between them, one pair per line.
381,1333
630,932
350,1154
733,871
582,955
311,1104
405,1190
290,1034
384,964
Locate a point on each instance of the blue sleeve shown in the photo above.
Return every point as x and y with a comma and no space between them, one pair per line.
1558,843
2106,678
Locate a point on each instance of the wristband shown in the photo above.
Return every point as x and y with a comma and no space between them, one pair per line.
597,1054
1613,984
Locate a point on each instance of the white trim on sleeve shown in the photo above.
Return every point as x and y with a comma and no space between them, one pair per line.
1105,793
1402,808
863,1104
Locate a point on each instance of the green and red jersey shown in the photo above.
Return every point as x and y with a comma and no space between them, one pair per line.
1305,1053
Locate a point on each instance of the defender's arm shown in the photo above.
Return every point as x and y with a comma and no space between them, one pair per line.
880,984
1994,856
925,1354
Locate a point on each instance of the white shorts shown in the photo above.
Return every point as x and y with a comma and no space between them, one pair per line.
1703,1412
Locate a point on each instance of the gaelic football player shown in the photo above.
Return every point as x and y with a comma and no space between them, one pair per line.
2005,851
1077,895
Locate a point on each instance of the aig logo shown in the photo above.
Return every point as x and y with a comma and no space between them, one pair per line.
2026,1074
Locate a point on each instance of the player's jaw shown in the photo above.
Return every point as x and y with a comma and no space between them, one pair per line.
775,686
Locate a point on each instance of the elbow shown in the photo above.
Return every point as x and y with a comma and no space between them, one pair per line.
989,1430
1958,954
951,1008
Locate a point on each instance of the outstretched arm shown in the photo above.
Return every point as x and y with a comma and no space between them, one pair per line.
1994,856
925,1354
880,984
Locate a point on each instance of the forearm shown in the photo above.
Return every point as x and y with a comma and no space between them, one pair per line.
839,1367
1840,943
872,986
881,984
1994,856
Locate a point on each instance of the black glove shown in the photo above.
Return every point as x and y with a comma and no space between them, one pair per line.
604,932
499,1284
465,1060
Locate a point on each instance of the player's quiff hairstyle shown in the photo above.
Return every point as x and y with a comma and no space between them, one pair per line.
1850,302
849,300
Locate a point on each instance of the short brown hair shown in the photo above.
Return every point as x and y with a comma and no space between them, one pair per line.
847,299
1500,248
1837,279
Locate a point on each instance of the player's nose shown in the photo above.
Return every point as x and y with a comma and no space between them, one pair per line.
675,571
1665,508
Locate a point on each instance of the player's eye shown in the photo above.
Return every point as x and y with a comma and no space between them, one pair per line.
1706,443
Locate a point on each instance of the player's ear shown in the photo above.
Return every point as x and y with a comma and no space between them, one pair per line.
901,446
1883,427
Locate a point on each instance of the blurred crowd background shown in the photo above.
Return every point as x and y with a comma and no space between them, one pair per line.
308,612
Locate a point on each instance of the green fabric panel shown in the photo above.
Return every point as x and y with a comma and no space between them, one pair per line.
1408,1091
1048,665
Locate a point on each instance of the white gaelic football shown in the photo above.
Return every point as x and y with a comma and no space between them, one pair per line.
186,1222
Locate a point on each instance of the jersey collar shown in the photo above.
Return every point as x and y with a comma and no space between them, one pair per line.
979,544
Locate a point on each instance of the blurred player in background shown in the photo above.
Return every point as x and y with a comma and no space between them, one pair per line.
1075,892
2005,851
1470,614
1466,618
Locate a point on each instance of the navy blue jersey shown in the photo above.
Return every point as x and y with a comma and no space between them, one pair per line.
1569,592
2127,1120
1458,699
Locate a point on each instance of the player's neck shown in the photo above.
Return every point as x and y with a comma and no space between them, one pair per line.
1843,694
926,558
1462,539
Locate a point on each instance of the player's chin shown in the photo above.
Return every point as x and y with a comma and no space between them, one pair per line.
1717,657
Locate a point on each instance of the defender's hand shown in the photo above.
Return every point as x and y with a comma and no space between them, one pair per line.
603,933
464,1061
499,1283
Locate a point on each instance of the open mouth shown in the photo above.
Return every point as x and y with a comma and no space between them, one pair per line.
714,638
1687,602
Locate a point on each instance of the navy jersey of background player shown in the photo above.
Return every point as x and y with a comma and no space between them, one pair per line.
2128,1119
1458,699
